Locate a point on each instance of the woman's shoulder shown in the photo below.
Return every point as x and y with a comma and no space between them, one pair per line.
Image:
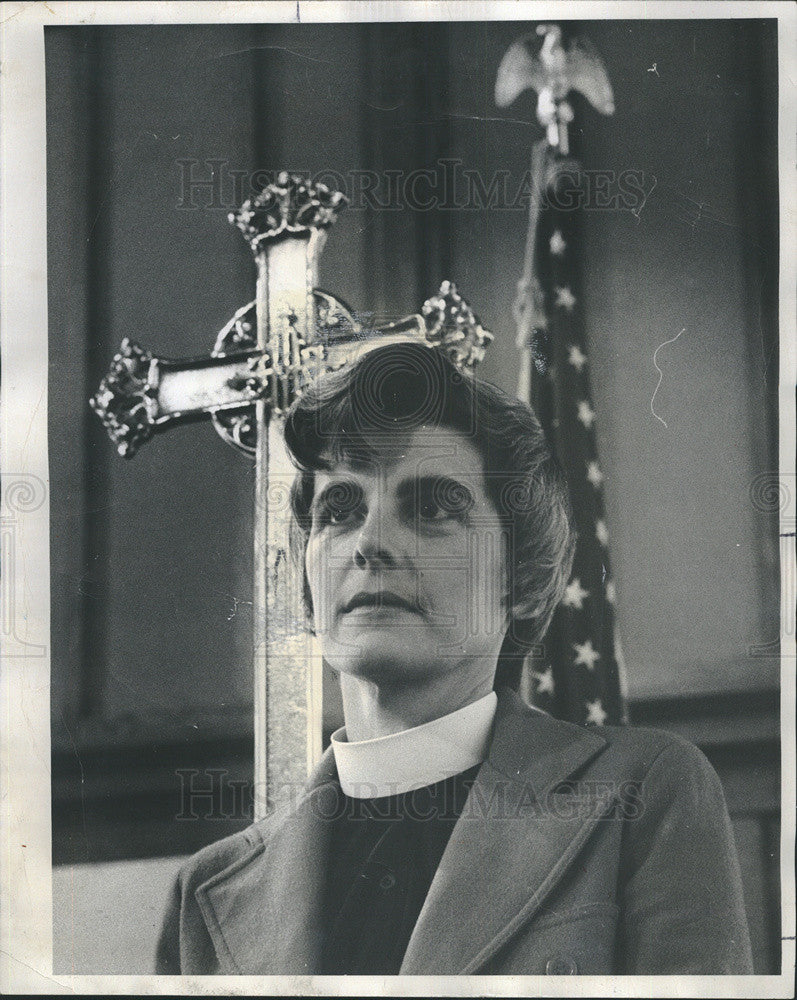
657,764
225,855
642,749
219,856
644,743
629,750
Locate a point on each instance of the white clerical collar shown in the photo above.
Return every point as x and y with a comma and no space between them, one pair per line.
413,758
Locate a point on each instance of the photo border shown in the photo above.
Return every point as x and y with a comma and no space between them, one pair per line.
25,863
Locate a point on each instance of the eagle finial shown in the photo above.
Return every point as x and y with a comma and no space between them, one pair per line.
552,71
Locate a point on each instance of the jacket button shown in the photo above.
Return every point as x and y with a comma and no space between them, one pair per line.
561,967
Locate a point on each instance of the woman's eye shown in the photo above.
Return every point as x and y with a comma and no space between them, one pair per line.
342,503
444,499
339,515
429,511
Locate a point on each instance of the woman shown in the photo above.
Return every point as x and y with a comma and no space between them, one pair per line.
450,828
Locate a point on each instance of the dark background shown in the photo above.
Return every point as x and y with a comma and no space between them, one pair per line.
151,559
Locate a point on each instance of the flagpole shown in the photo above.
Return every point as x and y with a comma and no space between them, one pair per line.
529,306
577,674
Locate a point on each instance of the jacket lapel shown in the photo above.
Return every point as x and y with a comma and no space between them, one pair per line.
512,844
263,912
509,848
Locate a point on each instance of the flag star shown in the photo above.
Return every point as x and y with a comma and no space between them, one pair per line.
602,532
595,713
586,654
564,298
611,593
576,357
594,474
586,414
557,244
574,594
544,681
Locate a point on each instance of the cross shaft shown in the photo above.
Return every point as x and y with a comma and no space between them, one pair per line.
262,359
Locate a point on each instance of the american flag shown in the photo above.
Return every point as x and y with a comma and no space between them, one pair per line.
577,673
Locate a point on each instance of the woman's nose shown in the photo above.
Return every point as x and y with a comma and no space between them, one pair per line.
376,541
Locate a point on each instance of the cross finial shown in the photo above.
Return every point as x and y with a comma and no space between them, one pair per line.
453,326
290,206
124,399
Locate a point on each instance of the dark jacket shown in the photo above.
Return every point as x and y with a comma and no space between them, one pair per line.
580,851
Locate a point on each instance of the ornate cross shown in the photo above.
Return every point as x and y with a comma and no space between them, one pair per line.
269,351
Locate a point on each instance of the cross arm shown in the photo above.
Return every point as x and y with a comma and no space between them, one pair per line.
265,357
142,395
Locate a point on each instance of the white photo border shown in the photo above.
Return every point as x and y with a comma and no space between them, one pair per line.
25,863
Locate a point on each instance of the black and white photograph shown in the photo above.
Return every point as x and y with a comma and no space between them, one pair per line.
399,498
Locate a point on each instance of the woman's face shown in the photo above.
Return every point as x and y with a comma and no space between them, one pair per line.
406,562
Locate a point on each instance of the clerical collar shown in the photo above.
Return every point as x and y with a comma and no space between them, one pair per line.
413,758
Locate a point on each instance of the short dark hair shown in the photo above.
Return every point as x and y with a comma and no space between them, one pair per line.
395,389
